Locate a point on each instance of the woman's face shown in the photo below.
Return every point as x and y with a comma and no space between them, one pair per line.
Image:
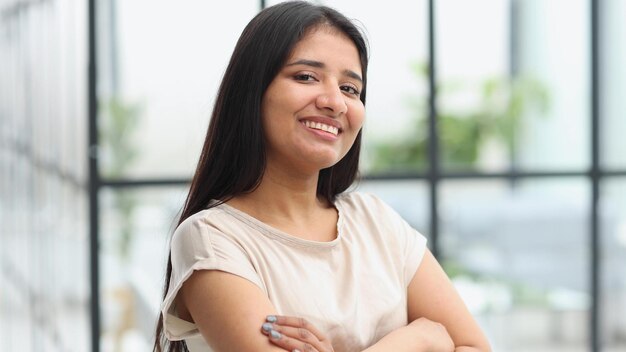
311,111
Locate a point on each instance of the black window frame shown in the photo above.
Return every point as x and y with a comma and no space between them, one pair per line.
595,175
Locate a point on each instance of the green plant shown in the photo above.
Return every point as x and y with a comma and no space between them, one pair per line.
116,138
496,115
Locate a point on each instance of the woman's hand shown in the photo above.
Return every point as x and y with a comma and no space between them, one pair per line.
295,334
433,336
421,335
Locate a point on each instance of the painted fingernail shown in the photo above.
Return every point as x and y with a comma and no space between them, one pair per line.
267,327
271,318
275,335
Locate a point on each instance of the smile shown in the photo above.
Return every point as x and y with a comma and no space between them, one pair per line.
321,126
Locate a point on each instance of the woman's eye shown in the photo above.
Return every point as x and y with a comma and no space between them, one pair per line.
350,90
304,77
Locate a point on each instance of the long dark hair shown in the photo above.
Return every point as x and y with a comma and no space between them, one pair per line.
232,161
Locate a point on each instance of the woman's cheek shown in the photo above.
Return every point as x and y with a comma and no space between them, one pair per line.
357,117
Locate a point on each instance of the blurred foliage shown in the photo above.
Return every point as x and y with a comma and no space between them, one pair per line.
454,268
522,293
116,135
121,120
498,105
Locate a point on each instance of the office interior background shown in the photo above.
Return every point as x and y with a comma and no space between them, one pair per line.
495,127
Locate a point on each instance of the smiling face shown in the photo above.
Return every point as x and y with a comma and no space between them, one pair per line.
311,111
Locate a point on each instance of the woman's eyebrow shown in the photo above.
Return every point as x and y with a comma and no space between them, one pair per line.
319,64
353,74
306,62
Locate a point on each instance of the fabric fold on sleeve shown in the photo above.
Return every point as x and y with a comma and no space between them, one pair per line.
196,245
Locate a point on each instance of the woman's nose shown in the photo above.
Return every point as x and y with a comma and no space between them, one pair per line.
332,99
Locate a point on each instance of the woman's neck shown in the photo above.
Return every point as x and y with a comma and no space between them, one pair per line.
286,194
285,200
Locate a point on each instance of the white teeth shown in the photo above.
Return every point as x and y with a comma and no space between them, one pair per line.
321,126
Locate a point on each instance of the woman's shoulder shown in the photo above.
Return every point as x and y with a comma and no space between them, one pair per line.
204,223
204,231
366,207
362,202
204,217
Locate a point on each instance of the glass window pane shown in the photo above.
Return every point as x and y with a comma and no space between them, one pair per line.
513,89
553,53
518,254
393,139
471,55
613,83
136,225
613,265
161,64
44,295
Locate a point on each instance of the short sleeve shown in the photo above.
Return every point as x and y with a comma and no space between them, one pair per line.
196,245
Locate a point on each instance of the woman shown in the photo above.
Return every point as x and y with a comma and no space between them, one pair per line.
267,228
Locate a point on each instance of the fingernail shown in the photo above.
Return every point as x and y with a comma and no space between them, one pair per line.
267,327
271,318
275,335
296,350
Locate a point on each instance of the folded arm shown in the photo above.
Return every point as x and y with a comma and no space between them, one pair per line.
234,319
432,296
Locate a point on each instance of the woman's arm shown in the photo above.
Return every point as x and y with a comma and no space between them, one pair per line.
228,310
238,309
431,295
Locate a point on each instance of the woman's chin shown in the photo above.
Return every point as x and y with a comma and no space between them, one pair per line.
326,162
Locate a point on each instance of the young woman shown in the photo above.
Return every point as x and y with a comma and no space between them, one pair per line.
270,253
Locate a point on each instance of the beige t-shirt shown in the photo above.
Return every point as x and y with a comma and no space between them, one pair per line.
354,288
